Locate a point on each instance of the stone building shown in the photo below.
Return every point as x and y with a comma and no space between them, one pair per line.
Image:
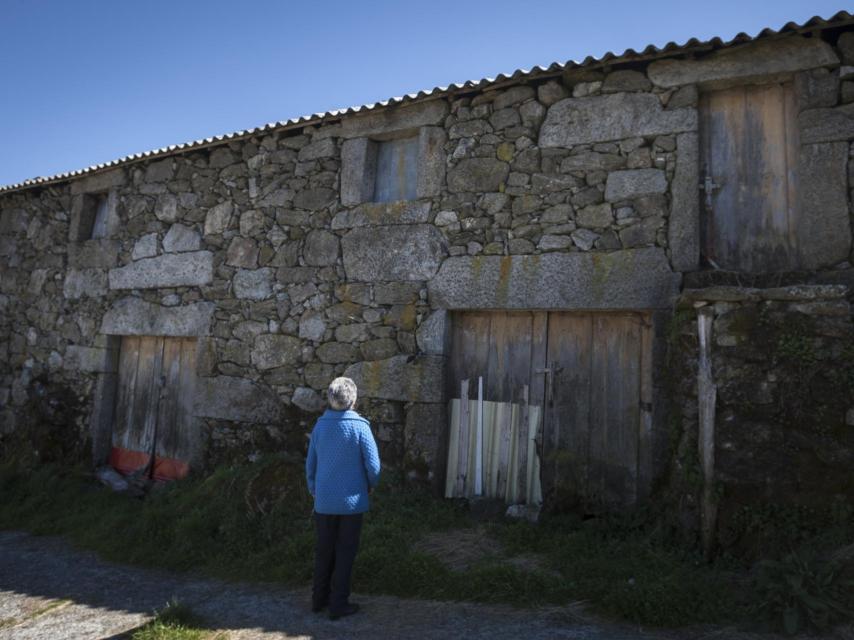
556,232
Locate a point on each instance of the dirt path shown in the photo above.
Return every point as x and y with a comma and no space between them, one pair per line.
49,590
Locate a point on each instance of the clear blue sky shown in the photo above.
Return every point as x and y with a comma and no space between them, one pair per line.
86,81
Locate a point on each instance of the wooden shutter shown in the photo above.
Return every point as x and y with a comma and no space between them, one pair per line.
749,176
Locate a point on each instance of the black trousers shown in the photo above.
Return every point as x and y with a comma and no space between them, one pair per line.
337,544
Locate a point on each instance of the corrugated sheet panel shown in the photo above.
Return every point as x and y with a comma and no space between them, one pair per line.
650,51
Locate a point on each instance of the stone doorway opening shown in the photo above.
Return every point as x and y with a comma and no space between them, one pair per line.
575,387
154,427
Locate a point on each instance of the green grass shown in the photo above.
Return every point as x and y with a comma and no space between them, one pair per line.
253,522
175,622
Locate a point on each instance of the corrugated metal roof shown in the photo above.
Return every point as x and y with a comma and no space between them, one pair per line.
555,68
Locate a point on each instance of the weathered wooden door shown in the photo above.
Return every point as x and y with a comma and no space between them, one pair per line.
597,410
749,177
589,375
154,406
506,350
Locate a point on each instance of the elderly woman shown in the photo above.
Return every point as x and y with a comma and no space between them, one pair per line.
342,468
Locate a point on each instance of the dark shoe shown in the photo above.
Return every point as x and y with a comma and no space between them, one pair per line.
349,610
318,607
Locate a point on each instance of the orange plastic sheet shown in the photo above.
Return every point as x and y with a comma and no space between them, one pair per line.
126,462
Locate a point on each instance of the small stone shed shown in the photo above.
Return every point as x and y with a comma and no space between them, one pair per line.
654,247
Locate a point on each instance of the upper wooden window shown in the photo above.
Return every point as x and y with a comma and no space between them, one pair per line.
92,217
749,178
99,220
397,170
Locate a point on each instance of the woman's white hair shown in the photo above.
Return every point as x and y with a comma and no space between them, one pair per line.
341,394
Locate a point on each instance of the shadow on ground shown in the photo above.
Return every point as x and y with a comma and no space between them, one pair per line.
49,590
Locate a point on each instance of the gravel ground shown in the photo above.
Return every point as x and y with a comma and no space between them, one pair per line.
50,590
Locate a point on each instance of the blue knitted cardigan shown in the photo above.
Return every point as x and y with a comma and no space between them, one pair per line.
342,463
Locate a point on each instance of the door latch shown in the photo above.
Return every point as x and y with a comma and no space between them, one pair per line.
709,186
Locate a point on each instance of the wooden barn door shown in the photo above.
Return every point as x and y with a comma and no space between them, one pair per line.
749,177
507,351
597,410
588,375
154,406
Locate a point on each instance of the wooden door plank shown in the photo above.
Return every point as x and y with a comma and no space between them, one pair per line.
464,440
791,131
523,430
707,232
497,368
567,415
456,358
142,391
766,117
539,335
452,460
147,399
725,120
509,371
128,363
627,367
489,464
645,438
475,348
749,136
168,425
600,419
509,359
188,426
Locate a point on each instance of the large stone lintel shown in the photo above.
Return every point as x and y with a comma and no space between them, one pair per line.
794,293
612,117
170,270
395,119
383,213
99,182
752,61
136,317
236,399
628,279
393,253
402,378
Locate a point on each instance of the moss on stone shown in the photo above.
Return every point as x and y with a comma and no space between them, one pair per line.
505,151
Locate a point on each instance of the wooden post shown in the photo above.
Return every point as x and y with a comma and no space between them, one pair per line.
522,449
463,441
478,454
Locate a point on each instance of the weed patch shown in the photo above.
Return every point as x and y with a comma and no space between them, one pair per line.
175,622
253,522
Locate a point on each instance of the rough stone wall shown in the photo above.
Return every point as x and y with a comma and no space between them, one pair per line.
575,192
783,365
